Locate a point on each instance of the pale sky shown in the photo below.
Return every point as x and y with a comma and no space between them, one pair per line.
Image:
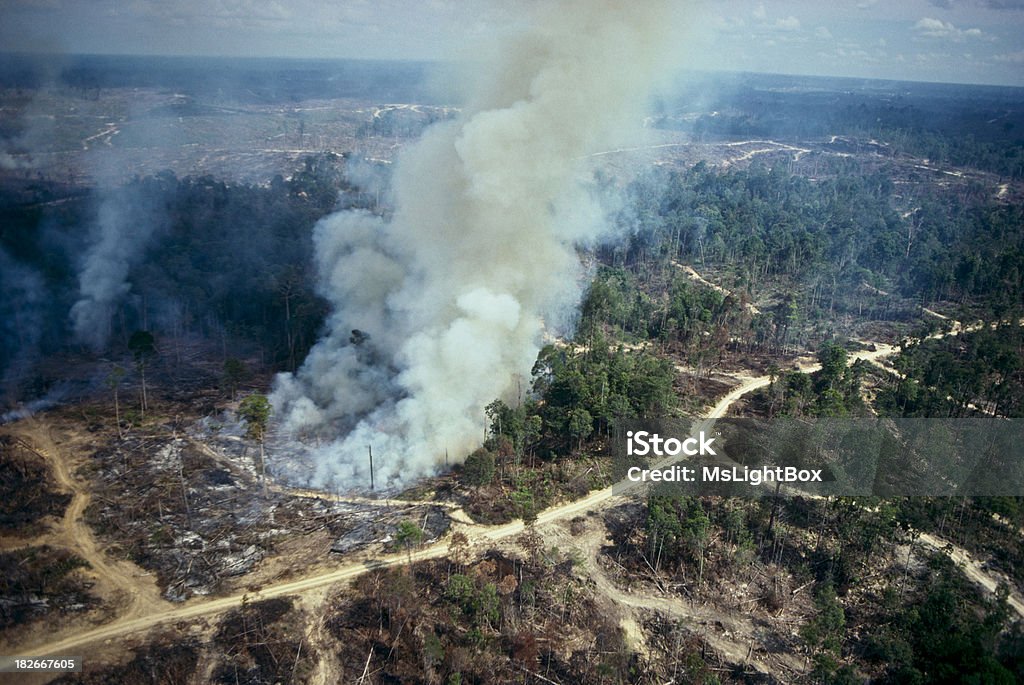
967,41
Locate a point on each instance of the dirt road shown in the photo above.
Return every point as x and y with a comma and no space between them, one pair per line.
133,591
692,274
144,613
731,634
971,568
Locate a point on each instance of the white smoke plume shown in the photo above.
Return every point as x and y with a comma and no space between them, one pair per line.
436,311
119,239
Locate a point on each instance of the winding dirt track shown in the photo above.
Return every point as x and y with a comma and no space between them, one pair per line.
971,568
730,633
121,582
144,613
692,274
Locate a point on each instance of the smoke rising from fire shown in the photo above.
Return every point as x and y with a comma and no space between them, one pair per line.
438,310
122,232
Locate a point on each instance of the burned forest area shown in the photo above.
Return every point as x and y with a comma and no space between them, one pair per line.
184,248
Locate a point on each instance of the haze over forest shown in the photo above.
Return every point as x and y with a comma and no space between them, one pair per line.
321,324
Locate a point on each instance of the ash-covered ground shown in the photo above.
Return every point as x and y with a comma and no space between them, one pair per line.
193,507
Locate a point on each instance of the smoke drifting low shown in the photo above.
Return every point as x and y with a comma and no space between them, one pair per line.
436,311
23,296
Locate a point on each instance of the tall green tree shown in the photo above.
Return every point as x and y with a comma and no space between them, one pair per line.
479,468
235,371
408,535
255,409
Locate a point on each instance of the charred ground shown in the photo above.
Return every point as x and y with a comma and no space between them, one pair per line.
754,250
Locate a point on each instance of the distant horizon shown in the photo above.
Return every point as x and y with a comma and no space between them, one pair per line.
977,42
426,62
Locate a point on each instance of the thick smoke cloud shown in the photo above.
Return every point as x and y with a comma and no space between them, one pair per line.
438,310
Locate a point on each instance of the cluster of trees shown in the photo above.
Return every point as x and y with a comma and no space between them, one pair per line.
1005,158
615,302
695,321
831,246
826,238
678,531
225,261
577,394
223,80
233,261
833,391
985,526
948,634
927,624
585,391
964,375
